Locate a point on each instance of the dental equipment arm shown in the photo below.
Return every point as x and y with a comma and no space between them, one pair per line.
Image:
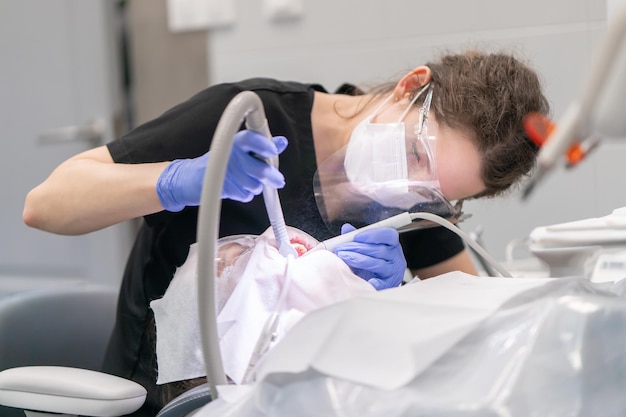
596,110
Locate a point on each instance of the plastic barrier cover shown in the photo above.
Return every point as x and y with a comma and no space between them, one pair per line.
556,349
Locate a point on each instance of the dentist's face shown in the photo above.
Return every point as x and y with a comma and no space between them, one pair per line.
457,159
458,164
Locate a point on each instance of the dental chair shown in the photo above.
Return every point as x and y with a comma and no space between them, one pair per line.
63,324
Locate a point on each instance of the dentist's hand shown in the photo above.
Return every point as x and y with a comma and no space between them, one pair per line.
180,183
375,255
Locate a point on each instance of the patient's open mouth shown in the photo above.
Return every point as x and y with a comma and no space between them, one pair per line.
299,245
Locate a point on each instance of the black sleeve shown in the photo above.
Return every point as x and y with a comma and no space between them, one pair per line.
427,247
184,131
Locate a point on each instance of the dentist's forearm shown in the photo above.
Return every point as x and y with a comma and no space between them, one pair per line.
84,194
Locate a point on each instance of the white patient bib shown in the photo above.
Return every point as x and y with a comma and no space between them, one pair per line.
248,289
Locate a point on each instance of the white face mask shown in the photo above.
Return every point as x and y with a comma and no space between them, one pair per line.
376,161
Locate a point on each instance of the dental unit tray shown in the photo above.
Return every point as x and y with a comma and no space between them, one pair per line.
606,230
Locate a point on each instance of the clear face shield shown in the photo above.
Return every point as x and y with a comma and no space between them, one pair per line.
385,169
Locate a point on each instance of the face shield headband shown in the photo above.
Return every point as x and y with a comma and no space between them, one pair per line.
385,169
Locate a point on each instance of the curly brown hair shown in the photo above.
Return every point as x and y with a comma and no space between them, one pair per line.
487,95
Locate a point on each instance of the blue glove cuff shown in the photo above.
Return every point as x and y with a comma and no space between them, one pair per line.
165,187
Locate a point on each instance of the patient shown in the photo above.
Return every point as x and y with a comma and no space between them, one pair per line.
251,279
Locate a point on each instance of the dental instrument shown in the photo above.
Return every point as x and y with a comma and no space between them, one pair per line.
272,205
403,222
397,221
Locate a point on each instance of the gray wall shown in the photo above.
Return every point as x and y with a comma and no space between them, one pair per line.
369,41
167,67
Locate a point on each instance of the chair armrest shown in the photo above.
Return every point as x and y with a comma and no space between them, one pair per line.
69,390
187,402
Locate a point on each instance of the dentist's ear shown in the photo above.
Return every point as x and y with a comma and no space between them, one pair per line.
419,77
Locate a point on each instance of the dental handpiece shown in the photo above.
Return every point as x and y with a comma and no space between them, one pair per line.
270,195
397,221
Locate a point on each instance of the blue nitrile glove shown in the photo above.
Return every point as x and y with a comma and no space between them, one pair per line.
375,255
180,183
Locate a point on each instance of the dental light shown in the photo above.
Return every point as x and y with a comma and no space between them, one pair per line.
598,111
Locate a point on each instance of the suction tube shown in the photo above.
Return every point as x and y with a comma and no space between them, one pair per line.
246,105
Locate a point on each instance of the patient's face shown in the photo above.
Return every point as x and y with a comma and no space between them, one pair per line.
233,247
227,254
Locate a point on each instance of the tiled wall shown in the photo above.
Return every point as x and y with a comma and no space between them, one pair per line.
371,41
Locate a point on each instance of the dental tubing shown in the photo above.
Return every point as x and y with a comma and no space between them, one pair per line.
467,238
245,105
403,219
397,221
